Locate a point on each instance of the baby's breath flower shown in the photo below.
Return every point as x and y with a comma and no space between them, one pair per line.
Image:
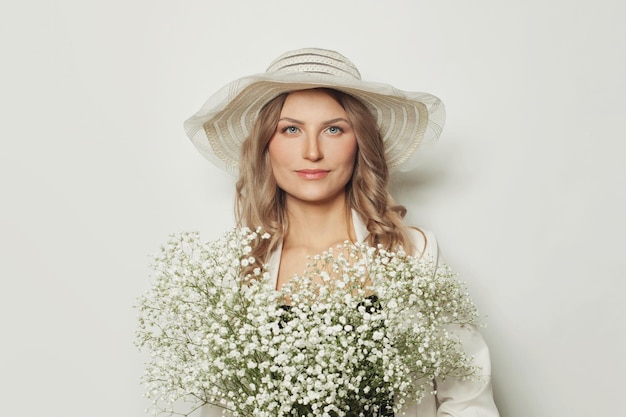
364,326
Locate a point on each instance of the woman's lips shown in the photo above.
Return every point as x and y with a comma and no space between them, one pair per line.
312,174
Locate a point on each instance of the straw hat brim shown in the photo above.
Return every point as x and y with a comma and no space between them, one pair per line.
405,119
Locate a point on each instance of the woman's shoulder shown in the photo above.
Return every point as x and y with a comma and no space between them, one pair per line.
424,242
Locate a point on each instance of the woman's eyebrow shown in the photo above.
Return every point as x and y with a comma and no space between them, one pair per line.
290,120
339,119
327,122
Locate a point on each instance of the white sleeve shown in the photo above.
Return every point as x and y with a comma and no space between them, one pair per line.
456,398
471,398
210,410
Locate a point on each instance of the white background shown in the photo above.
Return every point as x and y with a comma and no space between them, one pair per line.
525,189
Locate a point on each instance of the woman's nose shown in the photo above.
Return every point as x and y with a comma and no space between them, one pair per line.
312,150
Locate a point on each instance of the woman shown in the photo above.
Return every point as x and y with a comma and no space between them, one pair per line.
314,145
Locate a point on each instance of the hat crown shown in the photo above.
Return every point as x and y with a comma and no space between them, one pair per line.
315,60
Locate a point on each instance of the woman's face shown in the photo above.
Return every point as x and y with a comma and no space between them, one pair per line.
313,149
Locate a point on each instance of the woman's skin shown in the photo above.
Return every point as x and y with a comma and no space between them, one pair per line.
312,154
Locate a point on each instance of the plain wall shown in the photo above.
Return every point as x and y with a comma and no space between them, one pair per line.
525,189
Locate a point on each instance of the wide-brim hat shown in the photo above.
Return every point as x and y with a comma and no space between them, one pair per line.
405,119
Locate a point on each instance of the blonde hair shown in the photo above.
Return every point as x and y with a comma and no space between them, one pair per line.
260,202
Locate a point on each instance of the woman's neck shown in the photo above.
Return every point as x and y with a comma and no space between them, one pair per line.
314,228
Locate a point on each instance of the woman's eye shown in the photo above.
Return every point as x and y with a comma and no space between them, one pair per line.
290,130
334,130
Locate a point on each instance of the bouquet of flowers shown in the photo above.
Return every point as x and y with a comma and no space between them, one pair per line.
359,333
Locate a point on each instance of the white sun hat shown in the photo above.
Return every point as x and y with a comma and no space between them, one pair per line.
405,119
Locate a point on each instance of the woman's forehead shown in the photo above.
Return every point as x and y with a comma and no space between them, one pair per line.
311,102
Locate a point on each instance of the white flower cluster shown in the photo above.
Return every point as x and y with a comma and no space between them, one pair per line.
359,333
